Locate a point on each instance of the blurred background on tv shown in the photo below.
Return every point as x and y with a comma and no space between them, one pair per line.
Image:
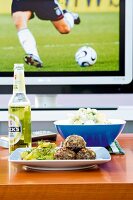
76,5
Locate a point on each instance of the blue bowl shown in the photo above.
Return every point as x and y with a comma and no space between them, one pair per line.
94,135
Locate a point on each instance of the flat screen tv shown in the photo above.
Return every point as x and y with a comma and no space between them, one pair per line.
106,26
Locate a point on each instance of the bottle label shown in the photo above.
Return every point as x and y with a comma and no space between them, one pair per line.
14,129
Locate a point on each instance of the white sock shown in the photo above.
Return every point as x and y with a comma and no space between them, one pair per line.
28,42
69,19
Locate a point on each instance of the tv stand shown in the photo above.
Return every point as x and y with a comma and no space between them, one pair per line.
43,118
45,101
126,108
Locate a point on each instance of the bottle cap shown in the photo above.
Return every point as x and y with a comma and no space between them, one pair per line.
18,66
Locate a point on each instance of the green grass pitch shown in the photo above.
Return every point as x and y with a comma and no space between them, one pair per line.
98,30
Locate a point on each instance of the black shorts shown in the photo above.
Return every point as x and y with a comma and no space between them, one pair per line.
44,9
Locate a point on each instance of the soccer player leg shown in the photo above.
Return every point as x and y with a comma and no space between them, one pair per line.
26,38
62,26
67,23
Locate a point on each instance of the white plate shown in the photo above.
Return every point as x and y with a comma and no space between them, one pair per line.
102,156
30,168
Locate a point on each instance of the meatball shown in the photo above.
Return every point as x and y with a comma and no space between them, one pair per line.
64,154
74,142
85,153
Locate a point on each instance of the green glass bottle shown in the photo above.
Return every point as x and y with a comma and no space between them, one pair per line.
19,113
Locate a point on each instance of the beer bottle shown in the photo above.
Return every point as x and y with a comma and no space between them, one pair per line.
19,113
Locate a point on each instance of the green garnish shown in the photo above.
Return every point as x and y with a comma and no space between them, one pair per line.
44,151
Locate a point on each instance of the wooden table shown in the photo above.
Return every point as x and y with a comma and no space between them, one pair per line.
110,181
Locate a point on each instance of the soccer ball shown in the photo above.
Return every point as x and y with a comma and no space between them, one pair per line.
86,56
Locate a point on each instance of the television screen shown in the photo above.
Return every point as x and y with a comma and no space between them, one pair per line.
103,28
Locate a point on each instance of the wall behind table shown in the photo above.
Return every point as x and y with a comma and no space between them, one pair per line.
44,121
